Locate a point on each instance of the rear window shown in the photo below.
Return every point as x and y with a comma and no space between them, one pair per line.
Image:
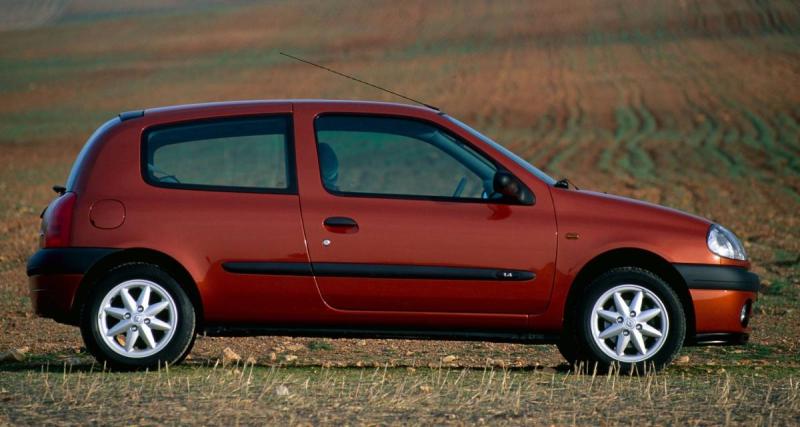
243,154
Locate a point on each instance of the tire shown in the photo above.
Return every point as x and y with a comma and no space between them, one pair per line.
608,332
137,316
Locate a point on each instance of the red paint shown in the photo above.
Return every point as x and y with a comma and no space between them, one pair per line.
718,311
202,229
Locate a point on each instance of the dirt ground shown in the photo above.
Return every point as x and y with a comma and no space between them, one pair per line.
691,104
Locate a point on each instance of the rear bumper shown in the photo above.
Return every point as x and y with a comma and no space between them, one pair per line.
54,276
52,296
719,295
65,260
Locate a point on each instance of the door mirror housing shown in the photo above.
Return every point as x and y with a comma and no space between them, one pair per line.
511,189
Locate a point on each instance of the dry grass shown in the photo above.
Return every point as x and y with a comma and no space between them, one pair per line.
248,394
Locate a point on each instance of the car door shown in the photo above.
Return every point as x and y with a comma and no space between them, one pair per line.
399,216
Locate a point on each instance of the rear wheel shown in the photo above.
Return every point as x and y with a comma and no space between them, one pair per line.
138,316
627,317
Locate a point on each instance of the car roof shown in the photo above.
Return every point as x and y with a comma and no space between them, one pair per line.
322,104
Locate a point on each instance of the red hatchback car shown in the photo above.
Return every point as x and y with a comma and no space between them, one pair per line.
345,219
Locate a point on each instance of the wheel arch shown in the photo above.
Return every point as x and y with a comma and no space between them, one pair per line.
140,255
632,257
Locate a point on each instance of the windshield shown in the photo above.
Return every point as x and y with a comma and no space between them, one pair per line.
508,153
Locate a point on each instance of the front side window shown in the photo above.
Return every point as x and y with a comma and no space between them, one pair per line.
391,156
243,154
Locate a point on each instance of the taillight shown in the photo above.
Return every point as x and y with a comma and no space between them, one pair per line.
57,222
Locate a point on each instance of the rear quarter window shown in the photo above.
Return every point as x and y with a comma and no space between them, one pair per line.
243,154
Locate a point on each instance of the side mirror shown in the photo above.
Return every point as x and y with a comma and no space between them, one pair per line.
512,189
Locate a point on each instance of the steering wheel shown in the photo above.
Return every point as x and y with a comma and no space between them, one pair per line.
460,187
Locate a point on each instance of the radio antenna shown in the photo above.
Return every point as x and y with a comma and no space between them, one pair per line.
360,81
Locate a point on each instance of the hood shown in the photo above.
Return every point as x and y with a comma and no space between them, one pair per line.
572,205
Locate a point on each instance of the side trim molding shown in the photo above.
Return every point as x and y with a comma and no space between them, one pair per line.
271,268
385,271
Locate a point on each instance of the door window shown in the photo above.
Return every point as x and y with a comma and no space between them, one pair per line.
243,154
372,155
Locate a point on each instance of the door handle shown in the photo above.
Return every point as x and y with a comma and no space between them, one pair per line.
340,221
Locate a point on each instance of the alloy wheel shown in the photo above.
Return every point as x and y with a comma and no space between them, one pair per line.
629,323
137,318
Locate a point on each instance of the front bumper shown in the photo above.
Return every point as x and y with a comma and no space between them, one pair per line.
719,296
720,339
54,276
718,277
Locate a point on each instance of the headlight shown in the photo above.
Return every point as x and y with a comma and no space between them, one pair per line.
724,243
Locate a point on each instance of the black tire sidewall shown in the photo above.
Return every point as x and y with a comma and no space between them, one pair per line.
633,276
180,343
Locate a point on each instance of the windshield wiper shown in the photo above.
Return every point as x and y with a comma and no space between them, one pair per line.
565,183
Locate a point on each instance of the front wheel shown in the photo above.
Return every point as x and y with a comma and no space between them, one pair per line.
136,317
631,318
